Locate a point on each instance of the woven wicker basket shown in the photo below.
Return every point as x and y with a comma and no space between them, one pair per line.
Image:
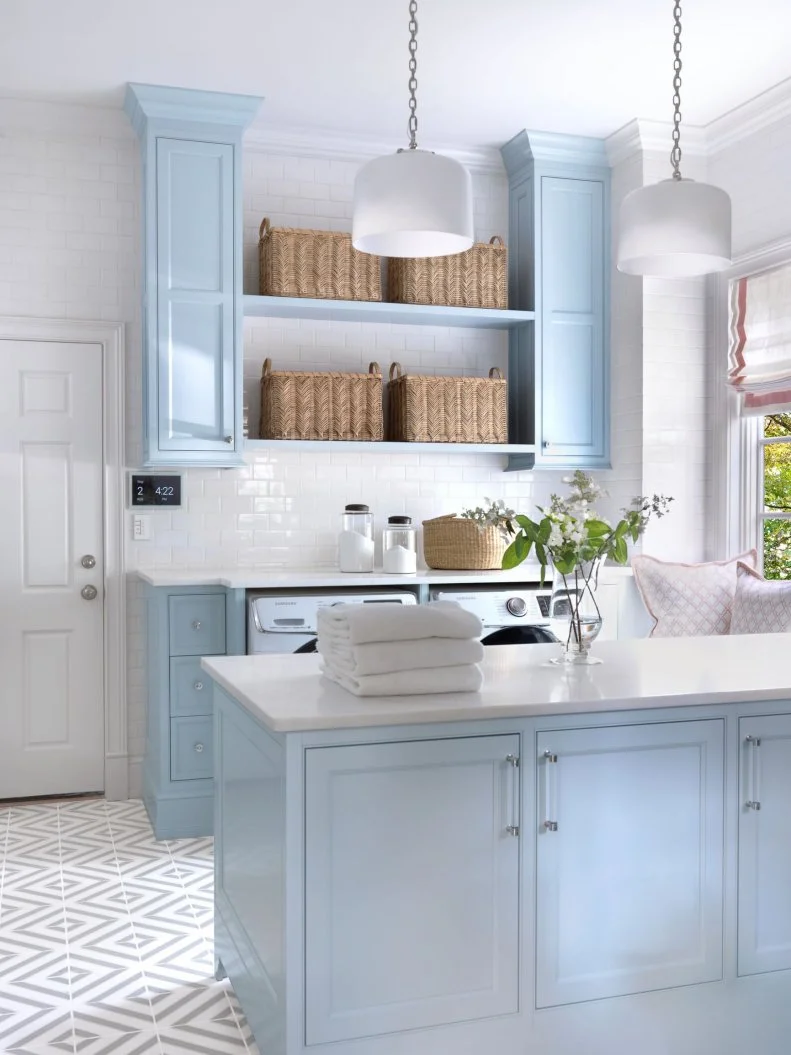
299,405
451,542
424,409
477,278
320,264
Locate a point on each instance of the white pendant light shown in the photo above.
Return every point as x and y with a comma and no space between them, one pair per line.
413,203
677,228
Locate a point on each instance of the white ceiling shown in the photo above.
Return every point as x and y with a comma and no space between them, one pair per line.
487,68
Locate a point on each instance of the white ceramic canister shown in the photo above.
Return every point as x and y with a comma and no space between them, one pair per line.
356,540
399,546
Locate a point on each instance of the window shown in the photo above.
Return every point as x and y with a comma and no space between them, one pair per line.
775,498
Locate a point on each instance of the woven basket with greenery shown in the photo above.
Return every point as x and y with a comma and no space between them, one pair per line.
477,278
304,405
297,262
459,544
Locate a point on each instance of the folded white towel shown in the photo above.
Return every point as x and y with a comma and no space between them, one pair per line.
360,624
387,657
468,678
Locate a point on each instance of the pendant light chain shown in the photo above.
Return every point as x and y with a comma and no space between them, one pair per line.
675,153
412,74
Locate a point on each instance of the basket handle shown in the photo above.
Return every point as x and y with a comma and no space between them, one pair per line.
395,371
496,239
265,229
266,369
496,372
373,368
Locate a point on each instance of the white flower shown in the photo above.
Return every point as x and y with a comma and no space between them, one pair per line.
555,536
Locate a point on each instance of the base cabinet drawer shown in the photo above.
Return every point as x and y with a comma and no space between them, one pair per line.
190,688
191,748
197,625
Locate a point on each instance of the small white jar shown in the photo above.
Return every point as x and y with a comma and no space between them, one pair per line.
399,546
356,540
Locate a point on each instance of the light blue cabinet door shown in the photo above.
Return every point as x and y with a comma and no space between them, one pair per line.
412,898
195,367
629,828
573,403
765,845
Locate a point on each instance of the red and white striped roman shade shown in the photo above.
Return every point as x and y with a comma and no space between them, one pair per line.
760,352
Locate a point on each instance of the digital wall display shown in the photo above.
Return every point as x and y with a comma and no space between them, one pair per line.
155,490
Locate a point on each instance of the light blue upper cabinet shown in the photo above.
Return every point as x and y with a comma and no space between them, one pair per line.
192,203
559,266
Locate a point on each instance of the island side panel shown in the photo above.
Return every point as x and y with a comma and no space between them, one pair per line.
250,868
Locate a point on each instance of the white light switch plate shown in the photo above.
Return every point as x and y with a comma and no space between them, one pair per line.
141,528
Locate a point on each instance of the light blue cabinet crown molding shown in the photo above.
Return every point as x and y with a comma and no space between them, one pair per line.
193,315
559,262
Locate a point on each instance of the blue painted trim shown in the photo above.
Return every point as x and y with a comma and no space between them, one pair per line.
379,311
144,102
554,147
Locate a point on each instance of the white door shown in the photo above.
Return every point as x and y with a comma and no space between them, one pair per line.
765,845
629,885
51,637
412,901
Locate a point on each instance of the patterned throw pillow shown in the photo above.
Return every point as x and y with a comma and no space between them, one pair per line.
761,606
689,600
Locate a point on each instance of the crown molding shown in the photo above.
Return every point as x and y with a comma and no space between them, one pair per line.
766,109
654,138
156,102
338,146
38,117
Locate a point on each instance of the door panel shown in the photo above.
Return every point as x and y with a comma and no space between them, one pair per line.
195,296
629,886
413,885
51,639
765,845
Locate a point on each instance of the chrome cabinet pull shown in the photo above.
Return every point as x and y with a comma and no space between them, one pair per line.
229,439
199,748
88,561
513,827
89,593
550,778
196,624
753,744
198,686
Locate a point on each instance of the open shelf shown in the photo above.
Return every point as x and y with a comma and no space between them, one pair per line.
377,311
387,447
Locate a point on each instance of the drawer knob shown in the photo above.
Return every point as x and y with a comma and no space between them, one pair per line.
196,624
198,686
198,748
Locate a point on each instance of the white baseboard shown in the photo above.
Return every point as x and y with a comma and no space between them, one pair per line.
135,772
116,777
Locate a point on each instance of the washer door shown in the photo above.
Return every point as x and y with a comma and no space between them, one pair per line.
519,635
309,646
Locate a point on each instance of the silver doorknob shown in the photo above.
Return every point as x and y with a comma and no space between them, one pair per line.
89,593
88,561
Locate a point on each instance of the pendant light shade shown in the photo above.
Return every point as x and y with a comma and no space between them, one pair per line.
413,203
676,228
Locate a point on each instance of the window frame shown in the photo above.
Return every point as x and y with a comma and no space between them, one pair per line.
738,442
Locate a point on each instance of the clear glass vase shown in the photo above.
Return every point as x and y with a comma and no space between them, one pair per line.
574,616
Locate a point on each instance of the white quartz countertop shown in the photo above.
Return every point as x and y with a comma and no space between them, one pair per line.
288,694
240,578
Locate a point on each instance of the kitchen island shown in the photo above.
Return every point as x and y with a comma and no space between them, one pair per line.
594,860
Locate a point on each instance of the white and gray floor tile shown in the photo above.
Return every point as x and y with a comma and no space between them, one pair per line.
106,937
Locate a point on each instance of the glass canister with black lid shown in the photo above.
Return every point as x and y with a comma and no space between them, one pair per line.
399,546
356,540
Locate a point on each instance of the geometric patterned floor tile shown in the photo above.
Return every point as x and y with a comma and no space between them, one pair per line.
106,937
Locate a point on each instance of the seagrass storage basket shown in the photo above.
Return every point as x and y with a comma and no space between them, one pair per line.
303,405
423,409
452,542
319,264
477,278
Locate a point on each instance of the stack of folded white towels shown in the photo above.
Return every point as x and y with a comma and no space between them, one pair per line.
401,650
